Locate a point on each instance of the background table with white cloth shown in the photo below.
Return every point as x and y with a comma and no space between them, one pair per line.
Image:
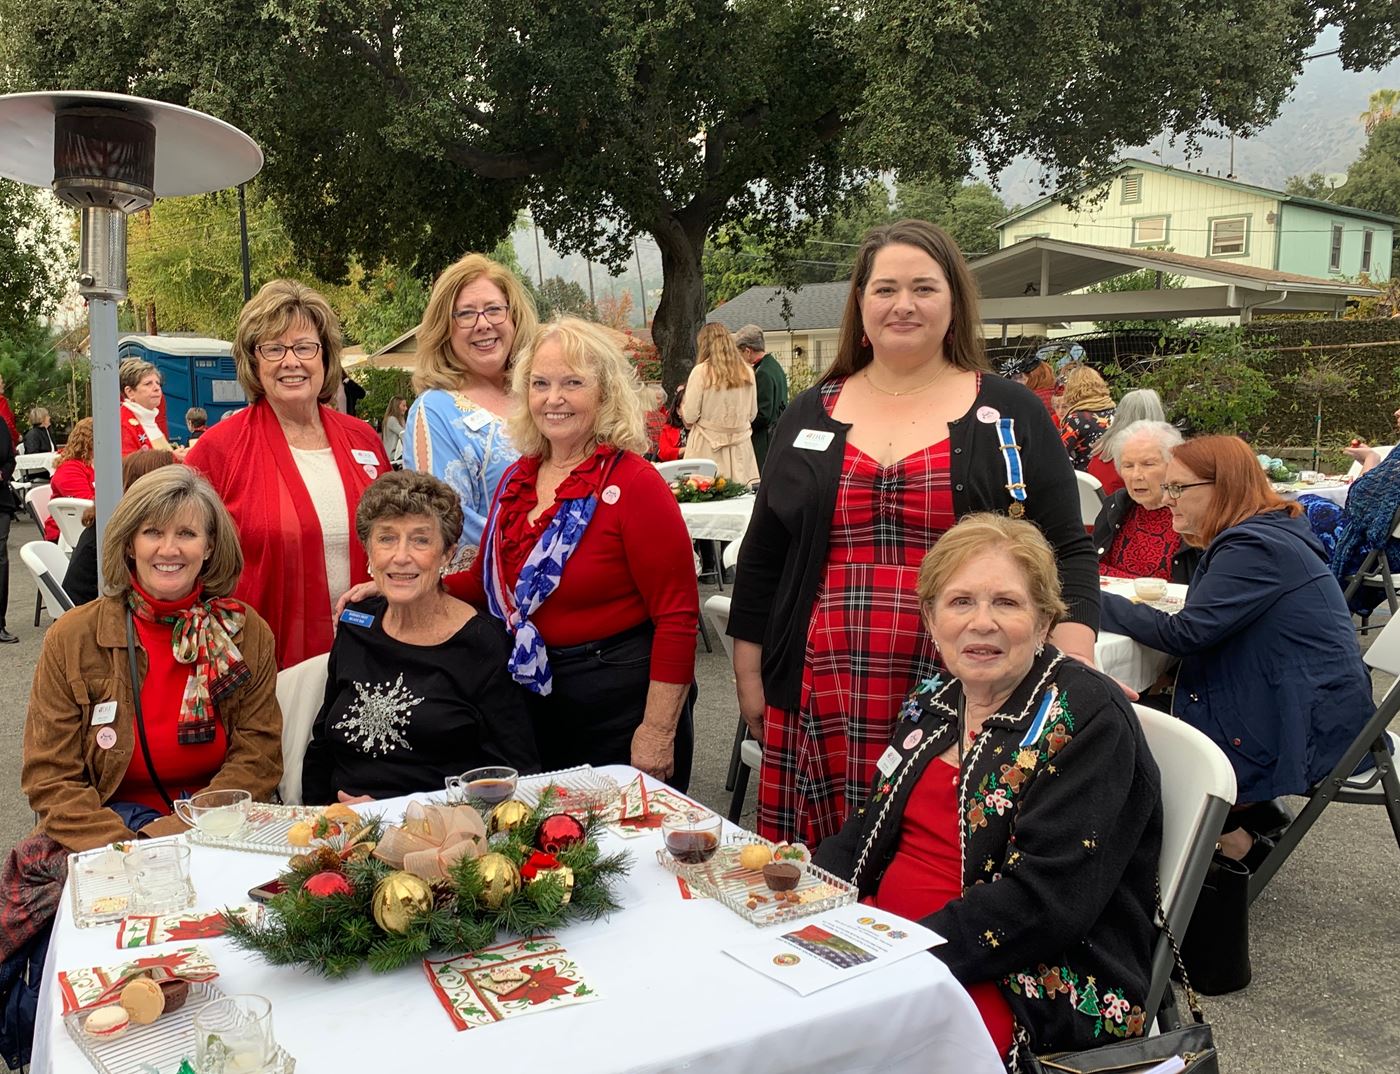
718,520
670,998
1336,491
1129,661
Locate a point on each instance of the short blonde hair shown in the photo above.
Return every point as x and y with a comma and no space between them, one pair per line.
275,308
983,533
158,497
37,414
437,365
595,351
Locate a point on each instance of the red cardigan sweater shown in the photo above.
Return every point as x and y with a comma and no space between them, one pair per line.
634,563
72,478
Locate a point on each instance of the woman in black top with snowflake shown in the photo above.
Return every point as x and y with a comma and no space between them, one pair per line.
417,687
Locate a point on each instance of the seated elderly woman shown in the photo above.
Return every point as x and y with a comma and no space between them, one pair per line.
1017,811
105,756
1134,534
587,560
1270,667
417,687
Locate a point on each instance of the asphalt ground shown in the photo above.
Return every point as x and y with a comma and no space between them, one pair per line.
1323,945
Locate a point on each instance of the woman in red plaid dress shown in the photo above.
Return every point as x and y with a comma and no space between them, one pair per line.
906,434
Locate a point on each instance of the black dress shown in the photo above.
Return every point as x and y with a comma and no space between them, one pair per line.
399,718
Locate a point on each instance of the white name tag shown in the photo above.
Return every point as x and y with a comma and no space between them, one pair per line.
477,420
813,440
364,455
106,712
889,761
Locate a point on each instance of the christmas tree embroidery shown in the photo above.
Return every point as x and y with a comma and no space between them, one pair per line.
377,715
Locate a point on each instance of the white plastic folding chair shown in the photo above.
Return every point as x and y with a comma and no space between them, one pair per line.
37,500
1091,497
1198,788
1378,786
678,468
48,564
747,754
301,689
67,512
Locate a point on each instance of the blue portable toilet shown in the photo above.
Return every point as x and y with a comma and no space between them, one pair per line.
195,371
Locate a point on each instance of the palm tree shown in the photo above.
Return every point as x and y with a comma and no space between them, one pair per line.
1385,104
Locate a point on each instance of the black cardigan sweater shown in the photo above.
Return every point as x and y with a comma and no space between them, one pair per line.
1110,521
1060,821
784,553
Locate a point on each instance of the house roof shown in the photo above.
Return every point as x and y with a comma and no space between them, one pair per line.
1133,164
813,306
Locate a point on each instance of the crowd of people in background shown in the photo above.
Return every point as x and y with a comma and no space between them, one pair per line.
498,574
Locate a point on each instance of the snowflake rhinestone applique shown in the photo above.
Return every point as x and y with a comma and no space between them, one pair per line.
377,716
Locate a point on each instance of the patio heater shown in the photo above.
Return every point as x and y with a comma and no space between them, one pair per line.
107,155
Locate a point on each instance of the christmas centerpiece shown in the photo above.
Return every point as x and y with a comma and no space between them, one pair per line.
444,880
697,489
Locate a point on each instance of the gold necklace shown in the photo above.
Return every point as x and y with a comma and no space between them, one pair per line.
907,391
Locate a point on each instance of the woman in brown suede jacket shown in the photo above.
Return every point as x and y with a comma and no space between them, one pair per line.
206,667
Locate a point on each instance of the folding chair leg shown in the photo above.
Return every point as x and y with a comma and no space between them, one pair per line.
38,607
741,790
718,549
705,634
736,761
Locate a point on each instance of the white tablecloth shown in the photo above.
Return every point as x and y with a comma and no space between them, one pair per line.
670,998
1334,491
1129,661
718,520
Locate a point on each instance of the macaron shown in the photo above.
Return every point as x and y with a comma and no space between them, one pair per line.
106,1022
143,1000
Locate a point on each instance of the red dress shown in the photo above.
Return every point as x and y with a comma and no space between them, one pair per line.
1143,547
926,874
866,643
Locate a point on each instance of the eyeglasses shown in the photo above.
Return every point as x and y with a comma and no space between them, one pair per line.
275,352
1175,489
467,318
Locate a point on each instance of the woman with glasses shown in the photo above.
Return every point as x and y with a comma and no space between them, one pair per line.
1270,668
290,469
479,316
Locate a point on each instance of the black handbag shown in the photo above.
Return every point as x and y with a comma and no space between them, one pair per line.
1193,1042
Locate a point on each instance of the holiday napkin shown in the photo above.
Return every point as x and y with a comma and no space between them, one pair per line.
97,986
641,808
147,930
510,979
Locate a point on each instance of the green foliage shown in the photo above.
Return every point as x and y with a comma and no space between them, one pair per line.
1218,386
1141,280
558,296
1373,182
35,255
412,132
1314,185
34,375
380,386
381,306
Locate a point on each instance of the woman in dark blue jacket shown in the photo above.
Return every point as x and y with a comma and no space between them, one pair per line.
1270,667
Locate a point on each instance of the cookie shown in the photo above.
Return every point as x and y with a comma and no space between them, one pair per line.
143,1000
106,1022
109,904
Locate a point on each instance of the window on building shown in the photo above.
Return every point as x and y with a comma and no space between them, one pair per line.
1334,262
1132,188
1229,235
1149,230
1367,237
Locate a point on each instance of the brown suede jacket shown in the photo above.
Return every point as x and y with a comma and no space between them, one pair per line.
69,778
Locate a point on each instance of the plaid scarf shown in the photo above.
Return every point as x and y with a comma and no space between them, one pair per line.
201,635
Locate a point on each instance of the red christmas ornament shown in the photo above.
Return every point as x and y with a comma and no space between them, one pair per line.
323,885
558,832
537,862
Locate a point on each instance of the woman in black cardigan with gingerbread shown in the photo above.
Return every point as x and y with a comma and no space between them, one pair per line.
1030,841
907,433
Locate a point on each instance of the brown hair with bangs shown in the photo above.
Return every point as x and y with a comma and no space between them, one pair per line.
437,365
157,498
1241,489
275,308
966,348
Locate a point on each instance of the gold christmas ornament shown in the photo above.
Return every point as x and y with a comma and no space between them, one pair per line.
564,873
500,879
400,899
508,816
302,862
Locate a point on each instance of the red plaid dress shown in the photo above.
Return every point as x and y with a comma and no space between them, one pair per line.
866,643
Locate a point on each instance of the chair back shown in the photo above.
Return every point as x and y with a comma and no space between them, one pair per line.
1384,653
678,468
301,689
67,512
49,565
717,612
37,500
1381,450
1090,497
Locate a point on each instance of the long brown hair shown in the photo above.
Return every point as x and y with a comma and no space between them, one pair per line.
724,365
965,348
1241,488
79,444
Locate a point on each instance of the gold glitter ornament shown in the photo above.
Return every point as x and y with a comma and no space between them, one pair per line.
399,900
564,873
508,816
500,879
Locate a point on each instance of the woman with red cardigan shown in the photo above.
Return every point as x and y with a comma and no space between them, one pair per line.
73,476
291,469
587,560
